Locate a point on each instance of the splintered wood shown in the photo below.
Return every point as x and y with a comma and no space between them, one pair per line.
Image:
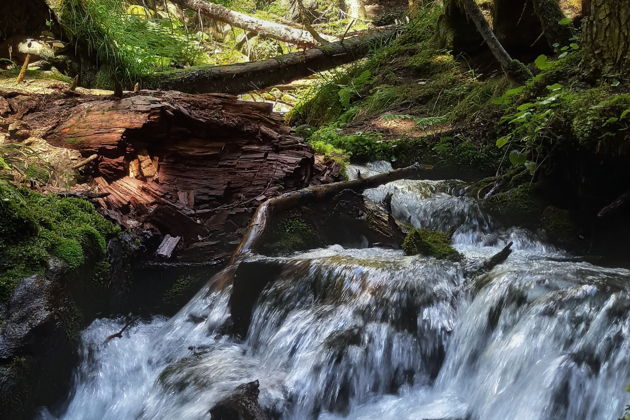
194,167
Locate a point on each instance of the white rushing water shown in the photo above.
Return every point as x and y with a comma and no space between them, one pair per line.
373,334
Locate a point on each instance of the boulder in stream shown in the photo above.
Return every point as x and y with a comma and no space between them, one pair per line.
242,404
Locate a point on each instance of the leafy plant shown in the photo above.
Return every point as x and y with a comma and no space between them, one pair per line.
129,42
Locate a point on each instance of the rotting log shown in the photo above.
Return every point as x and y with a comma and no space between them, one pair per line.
300,37
263,215
245,77
194,166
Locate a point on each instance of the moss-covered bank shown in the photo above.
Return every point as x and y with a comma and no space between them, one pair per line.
35,227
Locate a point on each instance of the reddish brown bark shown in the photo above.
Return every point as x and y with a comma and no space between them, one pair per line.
194,166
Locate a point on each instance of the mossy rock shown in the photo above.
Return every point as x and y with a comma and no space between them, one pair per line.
35,227
517,206
290,234
430,243
558,225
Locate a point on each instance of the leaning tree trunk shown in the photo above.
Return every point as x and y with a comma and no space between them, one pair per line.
241,78
261,27
607,37
514,68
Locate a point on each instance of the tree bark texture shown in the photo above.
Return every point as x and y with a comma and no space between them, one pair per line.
549,15
606,36
241,78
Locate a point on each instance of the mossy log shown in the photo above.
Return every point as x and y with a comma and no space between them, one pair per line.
245,77
264,214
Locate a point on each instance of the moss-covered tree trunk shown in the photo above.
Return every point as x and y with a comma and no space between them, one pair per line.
456,31
524,25
607,37
550,16
513,68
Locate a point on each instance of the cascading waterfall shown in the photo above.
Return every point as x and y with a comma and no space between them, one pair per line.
373,334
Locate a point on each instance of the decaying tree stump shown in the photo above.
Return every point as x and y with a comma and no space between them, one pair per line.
192,166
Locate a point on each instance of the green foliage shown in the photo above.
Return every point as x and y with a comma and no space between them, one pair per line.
129,43
361,147
429,243
290,234
34,227
458,150
330,152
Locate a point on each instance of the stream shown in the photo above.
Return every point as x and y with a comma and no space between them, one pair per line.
373,334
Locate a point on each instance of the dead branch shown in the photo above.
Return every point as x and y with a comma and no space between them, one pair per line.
262,218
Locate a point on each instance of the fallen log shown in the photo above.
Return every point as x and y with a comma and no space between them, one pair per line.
302,38
193,166
245,77
262,218
119,334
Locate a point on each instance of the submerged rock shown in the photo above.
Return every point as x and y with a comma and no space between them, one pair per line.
242,404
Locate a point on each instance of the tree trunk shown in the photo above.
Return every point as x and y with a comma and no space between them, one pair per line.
241,78
262,27
456,32
607,37
355,9
513,68
549,14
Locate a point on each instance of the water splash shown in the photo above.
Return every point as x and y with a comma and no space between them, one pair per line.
373,334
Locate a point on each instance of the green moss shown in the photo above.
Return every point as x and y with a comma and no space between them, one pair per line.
558,224
429,243
34,227
182,288
70,251
290,234
35,75
518,205
604,122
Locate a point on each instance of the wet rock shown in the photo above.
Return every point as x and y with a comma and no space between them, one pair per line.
242,404
37,350
249,281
